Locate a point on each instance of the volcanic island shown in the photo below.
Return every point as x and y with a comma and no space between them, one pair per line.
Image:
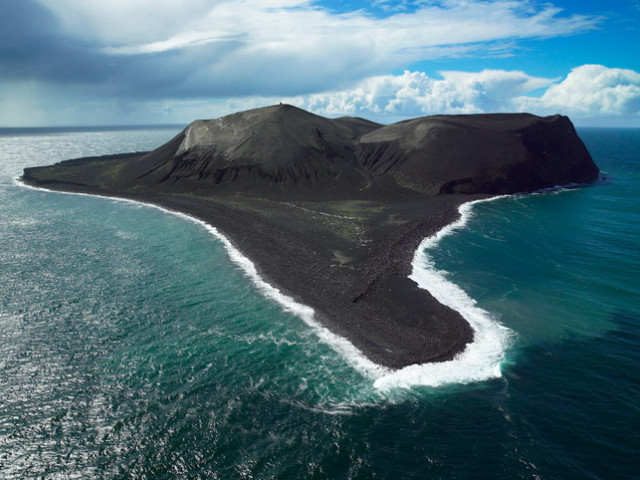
331,211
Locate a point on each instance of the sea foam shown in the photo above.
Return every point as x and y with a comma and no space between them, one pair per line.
479,361
340,345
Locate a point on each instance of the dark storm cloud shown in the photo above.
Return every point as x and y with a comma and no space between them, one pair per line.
247,48
33,47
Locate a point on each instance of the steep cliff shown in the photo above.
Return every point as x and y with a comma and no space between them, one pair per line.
499,153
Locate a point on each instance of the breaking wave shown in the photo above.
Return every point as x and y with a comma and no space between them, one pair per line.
479,361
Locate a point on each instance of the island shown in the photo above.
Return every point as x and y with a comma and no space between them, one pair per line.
331,211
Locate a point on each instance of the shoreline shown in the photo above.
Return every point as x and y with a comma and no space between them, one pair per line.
369,301
400,259
339,344
332,212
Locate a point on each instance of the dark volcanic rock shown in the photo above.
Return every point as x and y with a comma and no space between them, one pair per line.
283,152
268,150
498,153
332,211
273,149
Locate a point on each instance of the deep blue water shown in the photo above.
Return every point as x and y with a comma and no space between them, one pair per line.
133,345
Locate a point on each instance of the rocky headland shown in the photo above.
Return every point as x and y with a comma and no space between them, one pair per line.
332,210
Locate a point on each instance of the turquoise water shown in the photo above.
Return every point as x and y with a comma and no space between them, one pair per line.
133,346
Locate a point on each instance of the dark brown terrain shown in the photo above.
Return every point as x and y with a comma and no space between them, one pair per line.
332,211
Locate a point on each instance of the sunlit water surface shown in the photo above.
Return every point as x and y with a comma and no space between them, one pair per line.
133,343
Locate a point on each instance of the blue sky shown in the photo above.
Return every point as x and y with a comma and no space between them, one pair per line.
127,62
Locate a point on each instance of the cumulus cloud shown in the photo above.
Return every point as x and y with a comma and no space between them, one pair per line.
414,93
591,91
587,91
493,90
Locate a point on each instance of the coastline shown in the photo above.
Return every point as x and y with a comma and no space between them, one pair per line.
353,299
370,301
332,212
307,314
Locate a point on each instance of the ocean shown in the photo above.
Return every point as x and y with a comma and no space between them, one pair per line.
135,343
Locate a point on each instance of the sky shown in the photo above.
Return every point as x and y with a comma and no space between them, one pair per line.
141,62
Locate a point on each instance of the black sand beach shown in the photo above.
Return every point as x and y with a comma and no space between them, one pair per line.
332,211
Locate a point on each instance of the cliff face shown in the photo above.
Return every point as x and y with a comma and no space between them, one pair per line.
499,153
282,151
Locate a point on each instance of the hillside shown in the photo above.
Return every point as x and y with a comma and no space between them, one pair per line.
284,152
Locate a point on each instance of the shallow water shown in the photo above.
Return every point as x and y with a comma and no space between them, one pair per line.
132,345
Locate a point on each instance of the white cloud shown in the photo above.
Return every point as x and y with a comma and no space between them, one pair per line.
134,25
414,94
298,27
494,89
122,22
222,47
237,54
592,94
591,91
